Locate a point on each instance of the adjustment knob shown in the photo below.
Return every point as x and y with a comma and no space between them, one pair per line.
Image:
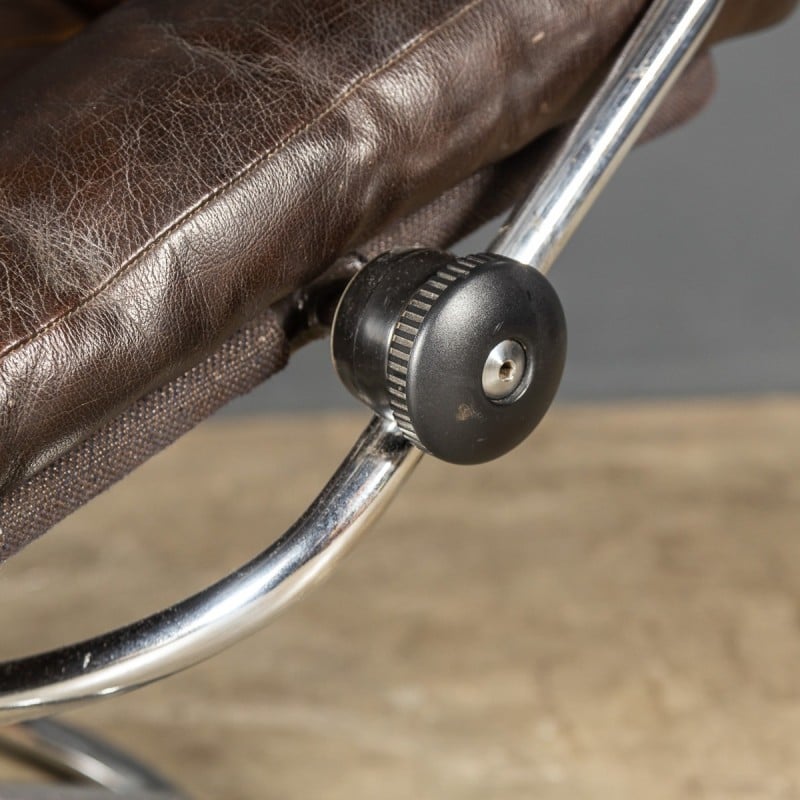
465,354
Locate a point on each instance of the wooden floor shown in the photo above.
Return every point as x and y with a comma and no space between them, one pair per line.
611,612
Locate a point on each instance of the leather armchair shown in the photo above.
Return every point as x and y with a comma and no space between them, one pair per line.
172,171
186,187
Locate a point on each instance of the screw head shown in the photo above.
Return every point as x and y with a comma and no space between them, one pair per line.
505,370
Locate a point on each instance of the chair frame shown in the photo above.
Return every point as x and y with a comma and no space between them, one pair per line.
169,641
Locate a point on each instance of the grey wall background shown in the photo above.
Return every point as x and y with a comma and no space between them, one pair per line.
684,279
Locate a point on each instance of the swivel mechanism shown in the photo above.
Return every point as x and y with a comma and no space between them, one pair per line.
465,354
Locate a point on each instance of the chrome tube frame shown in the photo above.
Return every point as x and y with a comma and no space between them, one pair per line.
226,612
206,623
654,58
67,752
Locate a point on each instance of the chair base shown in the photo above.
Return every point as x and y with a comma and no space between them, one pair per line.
91,768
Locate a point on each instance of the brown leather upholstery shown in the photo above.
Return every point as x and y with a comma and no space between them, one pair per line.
30,30
36,23
178,166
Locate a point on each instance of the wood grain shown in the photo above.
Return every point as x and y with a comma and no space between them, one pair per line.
611,612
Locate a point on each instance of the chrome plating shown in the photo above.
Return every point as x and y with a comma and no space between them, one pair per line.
238,605
654,58
189,632
69,753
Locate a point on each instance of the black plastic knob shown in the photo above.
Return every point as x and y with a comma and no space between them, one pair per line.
465,354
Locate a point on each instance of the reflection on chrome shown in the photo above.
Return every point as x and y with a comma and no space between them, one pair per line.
206,623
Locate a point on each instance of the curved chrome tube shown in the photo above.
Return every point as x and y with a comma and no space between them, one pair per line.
174,639
238,605
67,752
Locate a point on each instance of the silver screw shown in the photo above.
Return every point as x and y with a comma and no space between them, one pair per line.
504,370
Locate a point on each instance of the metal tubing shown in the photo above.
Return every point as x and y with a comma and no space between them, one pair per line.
238,605
68,752
656,55
244,601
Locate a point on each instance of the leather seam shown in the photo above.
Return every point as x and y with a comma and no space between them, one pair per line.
409,47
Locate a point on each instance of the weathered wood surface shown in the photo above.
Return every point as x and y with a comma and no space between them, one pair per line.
611,612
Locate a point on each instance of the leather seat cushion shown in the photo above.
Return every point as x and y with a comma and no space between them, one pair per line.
30,30
177,167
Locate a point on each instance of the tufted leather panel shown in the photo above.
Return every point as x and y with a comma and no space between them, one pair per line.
179,166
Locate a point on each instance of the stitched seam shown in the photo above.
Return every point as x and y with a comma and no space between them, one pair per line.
188,215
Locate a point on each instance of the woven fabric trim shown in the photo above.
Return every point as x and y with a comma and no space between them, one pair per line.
258,350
